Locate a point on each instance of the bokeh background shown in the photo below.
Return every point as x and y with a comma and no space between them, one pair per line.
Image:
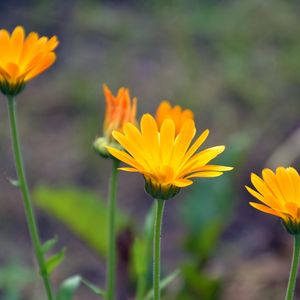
235,63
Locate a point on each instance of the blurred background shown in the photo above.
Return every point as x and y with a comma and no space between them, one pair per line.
235,63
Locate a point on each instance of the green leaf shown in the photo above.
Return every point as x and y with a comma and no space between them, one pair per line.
163,283
93,287
142,255
54,261
48,245
68,288
139,257
81,211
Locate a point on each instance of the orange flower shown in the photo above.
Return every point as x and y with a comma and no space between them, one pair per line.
119,110
23,58
280,194
176,113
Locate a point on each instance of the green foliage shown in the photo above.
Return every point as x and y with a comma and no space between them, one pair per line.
206,211
198,285
142,255
164,283
14,276
68,288
80,210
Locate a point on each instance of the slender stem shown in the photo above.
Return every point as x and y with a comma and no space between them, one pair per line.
111,268
31,222
294,269
156,248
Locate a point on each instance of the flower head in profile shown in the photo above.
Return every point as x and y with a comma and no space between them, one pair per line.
167,161
23,58
120,109
176,113
279,193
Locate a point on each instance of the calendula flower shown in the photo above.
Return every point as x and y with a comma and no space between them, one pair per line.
120,109
167,161
280,194
23,58
176,113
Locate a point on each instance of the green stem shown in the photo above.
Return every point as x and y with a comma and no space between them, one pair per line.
111,268
32,226
294,269
156,248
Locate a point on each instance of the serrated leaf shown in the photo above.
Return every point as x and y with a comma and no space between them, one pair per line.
88,211
48,245
68,288
93,287
163,283
54,261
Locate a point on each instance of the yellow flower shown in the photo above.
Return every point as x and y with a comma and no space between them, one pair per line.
119,110
167,161
176,113
280,194
22,58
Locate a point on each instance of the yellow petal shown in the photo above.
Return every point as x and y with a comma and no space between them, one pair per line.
132,149
17,40
205,174
285,184
270,179
266,200
261,186
167,136
266,209
126,158
182,182
182,142
129,169
200,159
150,135
43,65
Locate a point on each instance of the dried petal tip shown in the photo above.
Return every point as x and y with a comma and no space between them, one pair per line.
159,191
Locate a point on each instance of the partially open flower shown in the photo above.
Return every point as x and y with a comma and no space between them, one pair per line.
280,194
23,58
167,161
120,109
176,113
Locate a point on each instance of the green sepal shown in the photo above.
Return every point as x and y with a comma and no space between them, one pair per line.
291,226
162,192
12,89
